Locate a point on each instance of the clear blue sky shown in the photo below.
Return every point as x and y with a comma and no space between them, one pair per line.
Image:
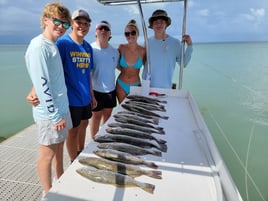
207,20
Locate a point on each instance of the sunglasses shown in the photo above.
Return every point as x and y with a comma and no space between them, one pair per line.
105,28
132,33
58,22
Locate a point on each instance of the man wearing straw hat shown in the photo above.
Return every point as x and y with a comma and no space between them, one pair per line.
164,51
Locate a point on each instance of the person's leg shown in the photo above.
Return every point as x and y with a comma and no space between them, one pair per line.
44,161
121,90
106,114
71,143
95,123
58,160
81,135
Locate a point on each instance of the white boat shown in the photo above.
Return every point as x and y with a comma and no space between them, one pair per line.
192,168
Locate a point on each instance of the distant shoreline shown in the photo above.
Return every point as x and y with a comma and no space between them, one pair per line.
209,42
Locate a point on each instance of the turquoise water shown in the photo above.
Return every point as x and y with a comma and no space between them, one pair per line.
228,82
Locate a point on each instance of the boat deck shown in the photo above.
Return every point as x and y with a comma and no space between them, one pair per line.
189,169
18,175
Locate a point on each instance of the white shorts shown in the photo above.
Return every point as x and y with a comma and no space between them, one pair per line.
47,134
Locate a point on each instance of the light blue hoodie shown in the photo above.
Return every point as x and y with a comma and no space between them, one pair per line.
45,68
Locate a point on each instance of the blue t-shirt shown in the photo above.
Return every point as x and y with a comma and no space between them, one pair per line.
77,60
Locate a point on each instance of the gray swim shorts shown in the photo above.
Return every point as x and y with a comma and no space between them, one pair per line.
47,134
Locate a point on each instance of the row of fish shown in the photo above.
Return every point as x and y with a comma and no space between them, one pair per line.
124,141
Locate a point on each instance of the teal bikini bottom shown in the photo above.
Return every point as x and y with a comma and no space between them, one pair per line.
126,87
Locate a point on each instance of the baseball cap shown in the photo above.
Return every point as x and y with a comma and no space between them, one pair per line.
103,23
81,13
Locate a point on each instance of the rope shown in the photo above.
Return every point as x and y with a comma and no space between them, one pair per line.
237,156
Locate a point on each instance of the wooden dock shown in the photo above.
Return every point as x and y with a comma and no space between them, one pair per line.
18,173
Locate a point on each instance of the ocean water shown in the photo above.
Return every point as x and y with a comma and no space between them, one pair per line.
227,80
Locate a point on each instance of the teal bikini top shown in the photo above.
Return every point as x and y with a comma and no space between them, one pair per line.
123,63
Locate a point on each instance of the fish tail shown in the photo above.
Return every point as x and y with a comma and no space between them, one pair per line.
147,187
160,141
163,147
150,164
164,117
159,128
157,153
162,132
154,174
163,101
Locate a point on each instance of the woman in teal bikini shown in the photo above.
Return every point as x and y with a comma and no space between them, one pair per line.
132,58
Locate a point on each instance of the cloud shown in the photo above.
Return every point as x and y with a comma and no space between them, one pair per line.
254,14
203,12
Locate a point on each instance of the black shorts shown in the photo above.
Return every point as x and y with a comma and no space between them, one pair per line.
104,100
80,113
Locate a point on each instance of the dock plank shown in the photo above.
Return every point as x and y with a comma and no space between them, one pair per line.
18,176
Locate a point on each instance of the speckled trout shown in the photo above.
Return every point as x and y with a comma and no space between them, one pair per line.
123,119
148,106
145,143
145,99
138,118
109,177
128,148
122,168
133,133
136,108
124,157
136,127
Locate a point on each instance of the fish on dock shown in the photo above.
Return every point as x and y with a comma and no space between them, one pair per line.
138,118
130,140
113,178
137,127
145,99
123,119
133,133
136,108
138,114
148,106
124,157
119,167
129,148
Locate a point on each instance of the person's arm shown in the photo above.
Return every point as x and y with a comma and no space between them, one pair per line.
93,101
188,51
32,98
120,53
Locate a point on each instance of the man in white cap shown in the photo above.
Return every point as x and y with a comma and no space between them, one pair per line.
165,51
103,76
77,59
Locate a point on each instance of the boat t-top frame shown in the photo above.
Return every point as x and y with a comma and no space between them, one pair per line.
139,2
